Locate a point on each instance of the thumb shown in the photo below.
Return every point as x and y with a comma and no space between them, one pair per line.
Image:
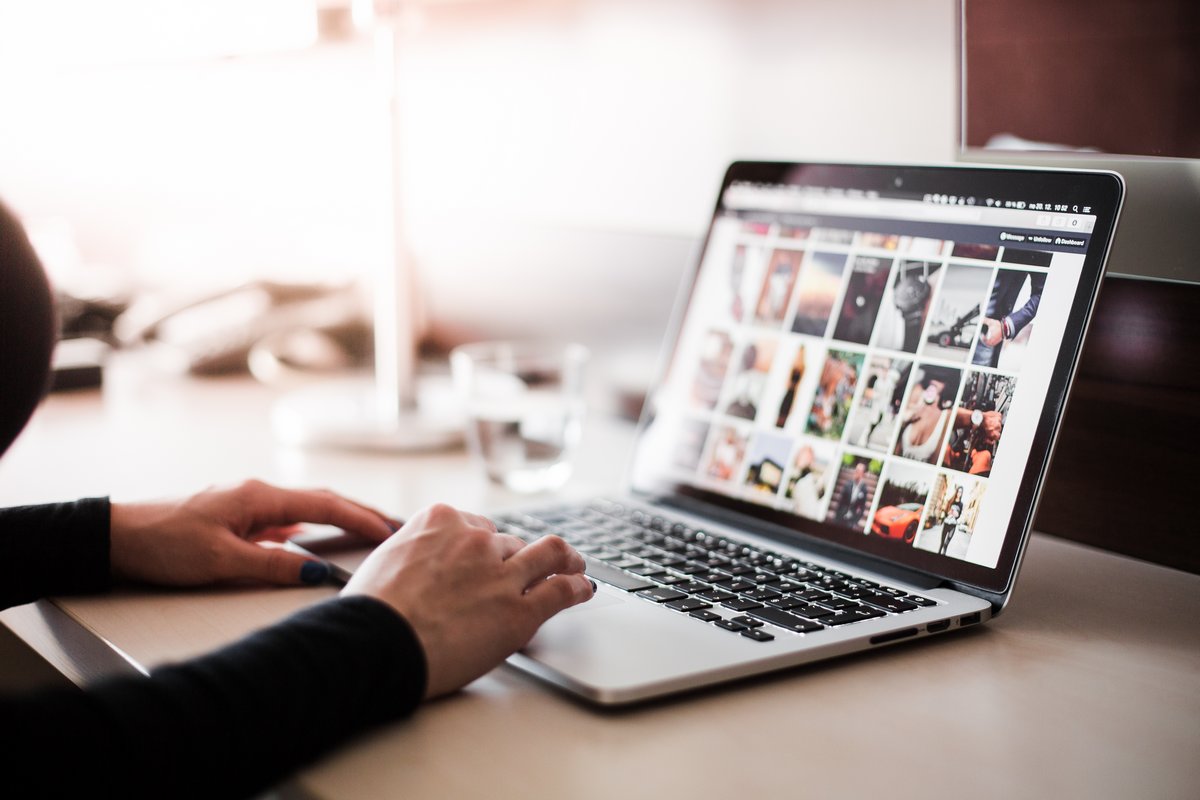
276,565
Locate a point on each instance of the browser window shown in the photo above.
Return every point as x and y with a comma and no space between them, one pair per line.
874,362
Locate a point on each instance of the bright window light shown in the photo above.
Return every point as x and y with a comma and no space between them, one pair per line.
87,32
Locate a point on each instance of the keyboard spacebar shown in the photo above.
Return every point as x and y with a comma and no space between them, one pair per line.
619,578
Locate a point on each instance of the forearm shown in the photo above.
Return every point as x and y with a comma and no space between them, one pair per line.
229,724
62,548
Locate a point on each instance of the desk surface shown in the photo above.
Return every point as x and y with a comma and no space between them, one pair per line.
1087,686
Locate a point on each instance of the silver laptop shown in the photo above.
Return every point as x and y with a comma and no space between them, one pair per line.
846,444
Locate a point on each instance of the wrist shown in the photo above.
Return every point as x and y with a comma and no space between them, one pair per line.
1006,325
130,525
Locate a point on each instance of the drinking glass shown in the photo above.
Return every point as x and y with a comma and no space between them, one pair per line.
524,405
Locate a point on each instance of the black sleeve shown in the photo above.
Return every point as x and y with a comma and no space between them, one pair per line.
53,550
230,724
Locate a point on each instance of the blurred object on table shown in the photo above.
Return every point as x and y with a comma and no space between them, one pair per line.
215,335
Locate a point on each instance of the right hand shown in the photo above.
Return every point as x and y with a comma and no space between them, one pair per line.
472,596
992,333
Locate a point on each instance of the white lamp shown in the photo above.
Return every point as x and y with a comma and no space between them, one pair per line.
397,411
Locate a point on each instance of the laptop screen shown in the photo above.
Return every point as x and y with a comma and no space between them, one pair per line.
879,356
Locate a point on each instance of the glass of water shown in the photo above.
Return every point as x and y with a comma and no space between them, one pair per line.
524,405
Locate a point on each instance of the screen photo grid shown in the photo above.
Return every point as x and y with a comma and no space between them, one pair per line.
855,378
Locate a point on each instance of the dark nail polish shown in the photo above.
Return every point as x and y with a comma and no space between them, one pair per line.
314,572
593,583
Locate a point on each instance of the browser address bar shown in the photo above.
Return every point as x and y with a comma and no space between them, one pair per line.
743,197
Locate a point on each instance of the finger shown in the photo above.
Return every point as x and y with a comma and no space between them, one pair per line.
271,506
395,522
508,545
558,592
275,533
478,521
547,556
274,565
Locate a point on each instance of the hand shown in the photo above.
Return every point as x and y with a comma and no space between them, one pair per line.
211,536
992,333
472,596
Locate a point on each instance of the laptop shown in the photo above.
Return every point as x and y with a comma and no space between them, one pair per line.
855,412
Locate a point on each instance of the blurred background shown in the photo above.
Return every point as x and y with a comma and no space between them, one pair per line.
558,158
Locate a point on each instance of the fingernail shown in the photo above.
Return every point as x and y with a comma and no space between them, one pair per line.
314,572
593,583
395,526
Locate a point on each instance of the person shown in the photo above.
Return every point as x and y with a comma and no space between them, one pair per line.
853,499
910,296
834,389
726,455
773,302
793,386
972,445
438,603
953,512
747,386
1003,321
928,414
805,488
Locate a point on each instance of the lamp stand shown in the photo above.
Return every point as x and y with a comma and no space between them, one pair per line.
397,411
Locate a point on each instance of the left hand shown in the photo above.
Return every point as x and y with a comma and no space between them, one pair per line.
211,537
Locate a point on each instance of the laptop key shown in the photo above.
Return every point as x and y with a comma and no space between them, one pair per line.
648,571
615,577
715,595
811,611
749,622
688,604
661,594
706,616
739,604
888,603
730,625
758,635
785,620
849,615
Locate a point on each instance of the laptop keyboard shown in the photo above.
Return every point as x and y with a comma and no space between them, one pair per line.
729,584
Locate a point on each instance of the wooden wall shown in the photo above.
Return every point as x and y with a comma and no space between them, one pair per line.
1126,470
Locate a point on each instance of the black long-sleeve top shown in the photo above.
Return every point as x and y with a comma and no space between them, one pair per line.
229,724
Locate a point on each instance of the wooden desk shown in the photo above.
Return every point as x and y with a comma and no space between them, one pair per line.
1088,686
